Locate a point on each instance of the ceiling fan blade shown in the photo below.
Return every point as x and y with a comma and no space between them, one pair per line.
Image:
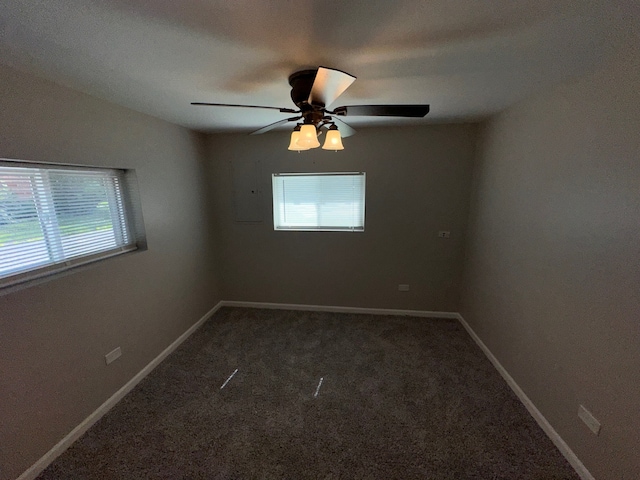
345,129
283,110
328,85
383,110
274,125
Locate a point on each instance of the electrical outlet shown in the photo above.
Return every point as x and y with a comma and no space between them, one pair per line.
591,421
444,234
403,288
112,355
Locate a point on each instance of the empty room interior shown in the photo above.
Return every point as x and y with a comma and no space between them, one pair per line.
278,240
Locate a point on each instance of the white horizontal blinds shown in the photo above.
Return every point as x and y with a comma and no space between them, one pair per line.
50,216
22,236
319,201
88,211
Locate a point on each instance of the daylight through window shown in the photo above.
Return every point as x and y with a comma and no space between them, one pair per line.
58,216
319,201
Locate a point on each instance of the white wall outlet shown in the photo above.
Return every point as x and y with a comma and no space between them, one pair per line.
444,234
112,355
591,421
403,288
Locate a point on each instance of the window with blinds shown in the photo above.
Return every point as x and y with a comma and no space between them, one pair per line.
319,201
52,218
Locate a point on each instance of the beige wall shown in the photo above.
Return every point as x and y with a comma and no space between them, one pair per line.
552,269
417,184
53,336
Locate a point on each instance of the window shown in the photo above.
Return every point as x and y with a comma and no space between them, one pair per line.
55,217
318,201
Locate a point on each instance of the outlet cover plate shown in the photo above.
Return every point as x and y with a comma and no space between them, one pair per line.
403,288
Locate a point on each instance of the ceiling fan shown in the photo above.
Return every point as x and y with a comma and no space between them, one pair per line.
312,91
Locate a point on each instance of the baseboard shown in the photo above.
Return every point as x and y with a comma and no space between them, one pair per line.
557,440
337,309
32,472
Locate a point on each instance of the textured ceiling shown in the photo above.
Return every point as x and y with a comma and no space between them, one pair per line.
468,59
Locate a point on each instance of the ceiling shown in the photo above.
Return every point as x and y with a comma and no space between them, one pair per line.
468,59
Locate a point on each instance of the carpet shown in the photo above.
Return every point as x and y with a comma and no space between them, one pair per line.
316,395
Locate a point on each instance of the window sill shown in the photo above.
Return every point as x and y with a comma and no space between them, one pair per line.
42,275
302,229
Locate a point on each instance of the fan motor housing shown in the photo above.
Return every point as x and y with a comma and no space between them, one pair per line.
301,83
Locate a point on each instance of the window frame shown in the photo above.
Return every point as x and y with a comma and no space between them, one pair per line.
358,229
132,217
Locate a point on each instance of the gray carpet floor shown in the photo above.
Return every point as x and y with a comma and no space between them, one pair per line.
400,398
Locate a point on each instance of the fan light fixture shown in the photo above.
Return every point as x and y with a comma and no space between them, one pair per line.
333,141
308,137
305,137
295,136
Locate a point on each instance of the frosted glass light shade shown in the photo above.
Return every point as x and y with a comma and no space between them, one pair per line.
308,137
294,145
333,141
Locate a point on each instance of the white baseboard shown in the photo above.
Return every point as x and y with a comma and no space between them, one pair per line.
32,472
557,440
331,308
